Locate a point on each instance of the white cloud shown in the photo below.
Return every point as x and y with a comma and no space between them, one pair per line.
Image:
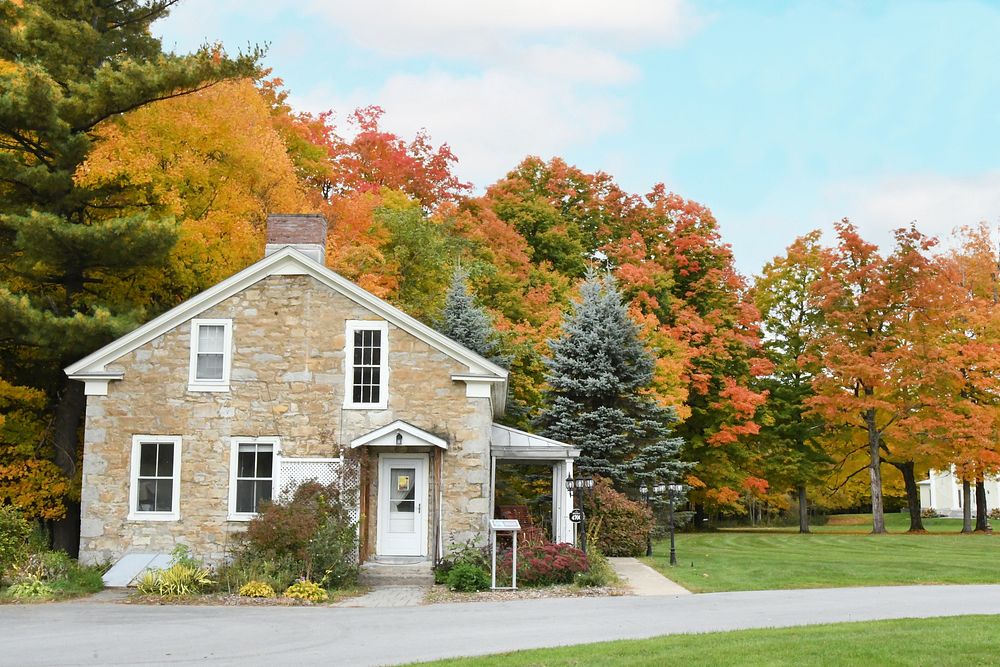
936,203
491,120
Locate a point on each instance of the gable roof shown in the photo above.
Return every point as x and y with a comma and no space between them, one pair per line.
289,261
405,432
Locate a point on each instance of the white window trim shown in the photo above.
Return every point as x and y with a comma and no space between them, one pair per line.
133,491
234,450
194,384
383,392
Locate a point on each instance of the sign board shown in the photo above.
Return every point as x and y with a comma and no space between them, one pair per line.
576,516
504,524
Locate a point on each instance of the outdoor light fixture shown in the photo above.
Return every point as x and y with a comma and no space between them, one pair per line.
399,439
581,484
673,492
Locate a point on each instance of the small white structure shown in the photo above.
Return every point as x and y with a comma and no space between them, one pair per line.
942,491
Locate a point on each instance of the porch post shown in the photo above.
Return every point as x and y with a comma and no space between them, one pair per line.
563,530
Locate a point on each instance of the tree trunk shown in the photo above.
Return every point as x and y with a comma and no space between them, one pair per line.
699,516
982,514
875,470
68,417
803,509
912,494
966,506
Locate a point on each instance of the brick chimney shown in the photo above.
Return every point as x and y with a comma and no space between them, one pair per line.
306,232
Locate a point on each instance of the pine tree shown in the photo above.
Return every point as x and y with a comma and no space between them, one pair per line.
466,322
598,376
66,68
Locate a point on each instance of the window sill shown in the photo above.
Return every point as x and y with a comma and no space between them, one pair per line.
241,517
153,516
209,387
366,406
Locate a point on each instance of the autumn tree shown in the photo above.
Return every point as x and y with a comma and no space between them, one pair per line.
792,452
874,379
66,68
598,377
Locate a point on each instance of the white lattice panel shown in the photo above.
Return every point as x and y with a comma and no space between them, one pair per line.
295,472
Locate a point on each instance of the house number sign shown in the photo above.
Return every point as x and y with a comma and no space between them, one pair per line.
576,516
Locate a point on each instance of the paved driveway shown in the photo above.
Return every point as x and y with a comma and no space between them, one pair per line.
104,633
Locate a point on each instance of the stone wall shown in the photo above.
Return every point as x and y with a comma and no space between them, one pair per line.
288,381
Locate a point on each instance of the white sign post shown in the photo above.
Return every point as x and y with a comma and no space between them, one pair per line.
511,526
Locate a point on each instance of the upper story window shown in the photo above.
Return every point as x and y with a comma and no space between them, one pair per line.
253,475
154,491
211,355
367,356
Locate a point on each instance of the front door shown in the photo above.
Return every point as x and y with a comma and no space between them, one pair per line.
402,505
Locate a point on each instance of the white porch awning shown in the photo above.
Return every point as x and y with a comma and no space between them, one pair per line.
512,444
399,434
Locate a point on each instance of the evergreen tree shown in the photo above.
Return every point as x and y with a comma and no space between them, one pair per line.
66,68
466,322
598,378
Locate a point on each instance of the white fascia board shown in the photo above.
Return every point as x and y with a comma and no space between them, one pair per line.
377,437
286,261
508,435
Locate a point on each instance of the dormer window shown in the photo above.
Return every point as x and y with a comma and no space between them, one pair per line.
211,355
367,368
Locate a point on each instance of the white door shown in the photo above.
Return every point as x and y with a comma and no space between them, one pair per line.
402,505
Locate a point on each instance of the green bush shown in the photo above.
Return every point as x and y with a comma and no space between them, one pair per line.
256,589
314,530
306,590
248,566
14,533
616,525
468,552
467,578
30,589
599,572
185,576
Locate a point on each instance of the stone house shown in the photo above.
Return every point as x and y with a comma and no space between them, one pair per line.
282,373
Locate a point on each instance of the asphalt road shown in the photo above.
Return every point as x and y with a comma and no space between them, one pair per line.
106,633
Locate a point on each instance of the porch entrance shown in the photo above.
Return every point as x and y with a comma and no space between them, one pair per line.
402,505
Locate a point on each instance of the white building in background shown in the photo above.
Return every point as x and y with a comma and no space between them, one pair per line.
942,491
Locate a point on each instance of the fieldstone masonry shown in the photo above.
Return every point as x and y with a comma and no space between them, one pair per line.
287,380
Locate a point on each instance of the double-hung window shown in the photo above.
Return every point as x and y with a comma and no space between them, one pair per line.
211,355
253,475
367,355
154,491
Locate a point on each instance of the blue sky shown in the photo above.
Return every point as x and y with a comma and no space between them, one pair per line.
780,116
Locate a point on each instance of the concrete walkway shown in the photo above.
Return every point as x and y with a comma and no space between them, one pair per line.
96,633
644,580
388,596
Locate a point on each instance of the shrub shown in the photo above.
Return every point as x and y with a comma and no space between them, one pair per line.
929,513
546,564
256,589
306,590
248,566
468,578
599,571
14,533
468,553
994,513
30,589
616,525
314,530
185,576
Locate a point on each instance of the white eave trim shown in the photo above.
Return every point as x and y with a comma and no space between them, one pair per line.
96,384
409,434
287,261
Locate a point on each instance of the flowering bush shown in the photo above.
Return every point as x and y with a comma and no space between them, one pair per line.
546,564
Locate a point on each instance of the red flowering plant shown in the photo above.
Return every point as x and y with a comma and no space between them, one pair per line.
545,564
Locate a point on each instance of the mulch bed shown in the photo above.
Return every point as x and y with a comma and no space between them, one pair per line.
440,593
233,600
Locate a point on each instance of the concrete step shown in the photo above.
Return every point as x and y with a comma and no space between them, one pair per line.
383,572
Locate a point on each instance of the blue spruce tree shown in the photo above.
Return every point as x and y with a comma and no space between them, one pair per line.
598,376
465,322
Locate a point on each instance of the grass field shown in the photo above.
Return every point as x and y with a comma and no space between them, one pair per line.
959,640
841,553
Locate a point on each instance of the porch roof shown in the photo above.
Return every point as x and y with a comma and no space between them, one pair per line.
513,444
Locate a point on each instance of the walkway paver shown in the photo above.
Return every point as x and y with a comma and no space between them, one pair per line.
644,580
388,596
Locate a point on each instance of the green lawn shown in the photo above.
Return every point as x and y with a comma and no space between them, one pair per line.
960,640
839,554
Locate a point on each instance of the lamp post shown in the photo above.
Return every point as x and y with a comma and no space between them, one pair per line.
577,485
672,491
647,496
